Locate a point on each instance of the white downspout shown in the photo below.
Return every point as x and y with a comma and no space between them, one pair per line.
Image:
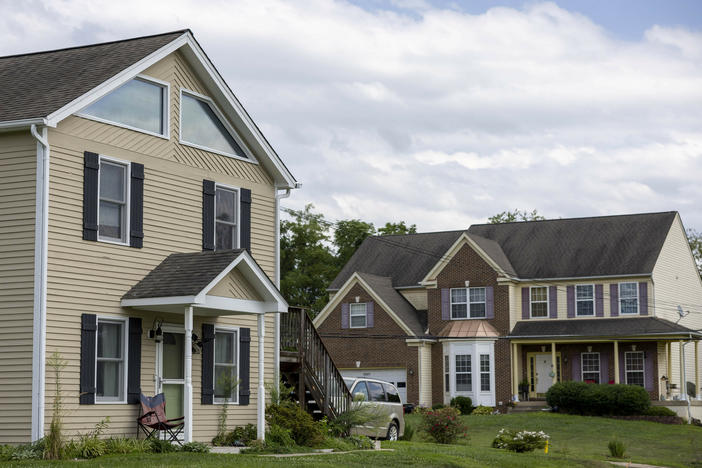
261,401
188,387
684,379
41,246
276,331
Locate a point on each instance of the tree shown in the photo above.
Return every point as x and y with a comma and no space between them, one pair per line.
397,228
307,263
695,240
348,236
516,215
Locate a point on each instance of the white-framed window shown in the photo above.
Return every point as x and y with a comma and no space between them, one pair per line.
584,300
203,126
467,303
110,361
628,298
140,104
538,301
590,367
464,373
113,200
357,315
447,373
226,218
634,367
484,372
226,368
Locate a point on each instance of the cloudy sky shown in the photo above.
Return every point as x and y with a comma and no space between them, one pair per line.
443,113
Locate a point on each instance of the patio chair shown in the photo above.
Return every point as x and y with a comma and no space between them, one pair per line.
153,419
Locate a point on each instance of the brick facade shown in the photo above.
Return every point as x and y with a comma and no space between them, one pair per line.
382,346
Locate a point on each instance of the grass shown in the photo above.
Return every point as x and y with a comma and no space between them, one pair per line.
575,441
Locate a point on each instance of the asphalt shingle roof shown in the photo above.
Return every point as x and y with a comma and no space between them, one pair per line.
382,286
183,274
634,326
37,84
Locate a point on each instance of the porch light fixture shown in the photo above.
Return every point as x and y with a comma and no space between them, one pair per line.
633,347
156,333
358,299
358,363
589,349
197,344
543,349
467,283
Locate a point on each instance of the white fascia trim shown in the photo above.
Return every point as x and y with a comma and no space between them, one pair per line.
116,81
238,305
157,301
20,124
471,339
576,278
419,341
41,246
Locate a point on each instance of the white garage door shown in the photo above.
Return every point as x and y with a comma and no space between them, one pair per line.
395,376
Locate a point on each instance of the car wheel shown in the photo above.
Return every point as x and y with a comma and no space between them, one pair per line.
393,431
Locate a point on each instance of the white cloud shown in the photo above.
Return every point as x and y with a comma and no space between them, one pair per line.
435,116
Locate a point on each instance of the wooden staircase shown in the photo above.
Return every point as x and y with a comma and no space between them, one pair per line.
306,365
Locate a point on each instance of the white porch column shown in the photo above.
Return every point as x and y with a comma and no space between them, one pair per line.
515,374
554,367
697,371
188,390
616,362
261,403
683,389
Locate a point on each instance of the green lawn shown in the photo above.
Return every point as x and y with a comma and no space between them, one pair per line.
575,441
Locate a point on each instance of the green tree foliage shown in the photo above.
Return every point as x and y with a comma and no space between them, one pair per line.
695,240
515,215
397,228
348,235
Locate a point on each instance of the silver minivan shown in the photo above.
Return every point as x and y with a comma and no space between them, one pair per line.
385,399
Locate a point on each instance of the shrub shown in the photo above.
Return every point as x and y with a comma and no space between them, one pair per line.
598,399
360,442
483,410
90,447
409,432
419,409
659,411
520,441
6,452
304,430
255,446
162,446
197,447
444,425
616,448
33,451
438,406
463,403
123,445
357,415
279,439
240,436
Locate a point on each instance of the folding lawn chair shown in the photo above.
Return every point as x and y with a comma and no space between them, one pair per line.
153,419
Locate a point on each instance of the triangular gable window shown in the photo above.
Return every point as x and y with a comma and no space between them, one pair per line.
202,127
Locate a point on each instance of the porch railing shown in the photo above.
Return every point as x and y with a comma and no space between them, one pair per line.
317,372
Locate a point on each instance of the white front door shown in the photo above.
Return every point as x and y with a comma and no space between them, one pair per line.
397,377
542,369
170,371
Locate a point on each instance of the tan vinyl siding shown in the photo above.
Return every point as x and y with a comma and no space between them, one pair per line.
18,155
234,285
91,277
417,297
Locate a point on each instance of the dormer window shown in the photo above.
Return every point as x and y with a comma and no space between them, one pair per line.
140,104
204,127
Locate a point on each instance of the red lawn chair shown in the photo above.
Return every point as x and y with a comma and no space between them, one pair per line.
153,419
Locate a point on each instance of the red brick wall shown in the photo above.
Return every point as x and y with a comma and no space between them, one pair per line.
382,346
467,265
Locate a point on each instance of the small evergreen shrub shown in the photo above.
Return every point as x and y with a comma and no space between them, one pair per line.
463,403
598,399
616,448
659,411
520,441
444,425
304,430
483,410
197,447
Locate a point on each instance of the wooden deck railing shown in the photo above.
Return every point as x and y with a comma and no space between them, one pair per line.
317,370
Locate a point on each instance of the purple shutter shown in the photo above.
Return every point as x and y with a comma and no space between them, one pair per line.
345,315
622,371
489,302
553,302
370,314
445,304
570,295
599,300
604,367
643,298
649,372
575,367
614,300
525,303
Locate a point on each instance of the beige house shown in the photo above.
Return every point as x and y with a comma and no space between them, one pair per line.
138,238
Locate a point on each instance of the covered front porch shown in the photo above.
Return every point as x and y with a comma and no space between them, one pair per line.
632,351
209,286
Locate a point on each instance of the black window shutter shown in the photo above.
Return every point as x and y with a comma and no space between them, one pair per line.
88,335
244,364
136,211
207,392
91,168
134,358
245,219
208,215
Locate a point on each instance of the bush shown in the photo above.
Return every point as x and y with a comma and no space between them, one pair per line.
438,406
162,446
360,442
444,425
483,410
409,432
197,447
279,439
520,441
659,411
463,403
616,448
357,415
240,436
304,430
87,447
123,445
598,399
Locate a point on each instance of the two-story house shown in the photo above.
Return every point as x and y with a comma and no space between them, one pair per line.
609,299
138,239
